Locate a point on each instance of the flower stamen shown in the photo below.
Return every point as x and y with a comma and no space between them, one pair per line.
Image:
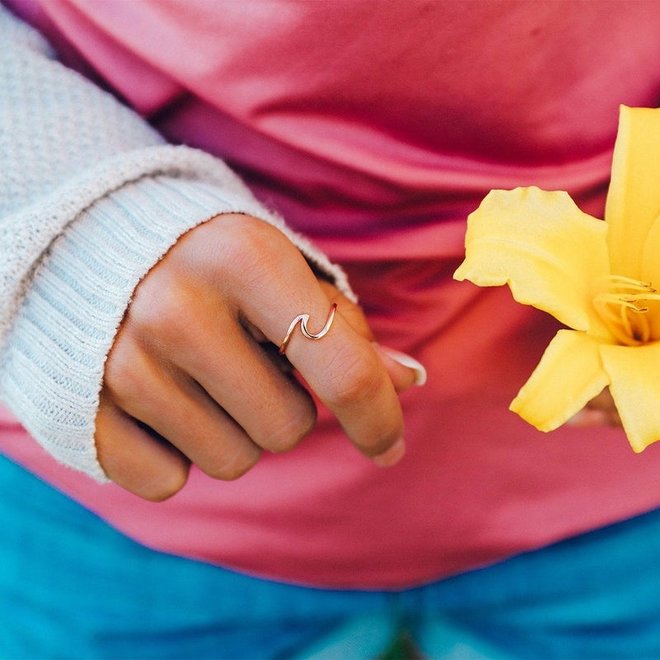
622,304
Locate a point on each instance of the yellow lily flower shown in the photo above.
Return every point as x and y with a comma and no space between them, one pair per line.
602,279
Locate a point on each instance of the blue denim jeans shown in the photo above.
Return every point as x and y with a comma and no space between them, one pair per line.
72,587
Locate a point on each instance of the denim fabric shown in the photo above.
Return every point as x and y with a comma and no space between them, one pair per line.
72,587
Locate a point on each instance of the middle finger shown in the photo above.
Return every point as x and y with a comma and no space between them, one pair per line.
275,412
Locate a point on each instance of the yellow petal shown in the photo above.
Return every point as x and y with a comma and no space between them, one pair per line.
569,375
651,273
633,200
539,243
651,253
634,373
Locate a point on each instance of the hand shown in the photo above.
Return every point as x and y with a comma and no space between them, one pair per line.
192,376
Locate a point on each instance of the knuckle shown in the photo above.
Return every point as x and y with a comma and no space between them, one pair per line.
251,250
244,235
354,376
155,487
160,316
252,233
166,485
130,463
286,434
230,469
122,374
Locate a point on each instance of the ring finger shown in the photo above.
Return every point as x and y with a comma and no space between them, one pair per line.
179,410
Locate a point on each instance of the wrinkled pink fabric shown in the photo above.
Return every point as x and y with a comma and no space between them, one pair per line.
375,128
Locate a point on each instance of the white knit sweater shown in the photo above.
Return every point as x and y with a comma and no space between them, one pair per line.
90,199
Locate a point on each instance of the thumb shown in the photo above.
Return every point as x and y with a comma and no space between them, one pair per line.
403,369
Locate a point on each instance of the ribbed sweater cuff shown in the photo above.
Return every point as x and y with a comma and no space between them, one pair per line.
54,358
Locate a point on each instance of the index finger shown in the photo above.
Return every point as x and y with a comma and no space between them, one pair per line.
343,368
346,373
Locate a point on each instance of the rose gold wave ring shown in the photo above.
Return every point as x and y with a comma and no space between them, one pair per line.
303,319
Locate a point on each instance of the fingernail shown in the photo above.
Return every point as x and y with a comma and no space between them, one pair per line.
407,361
392,456
588,417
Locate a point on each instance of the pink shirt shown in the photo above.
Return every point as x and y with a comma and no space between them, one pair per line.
375,128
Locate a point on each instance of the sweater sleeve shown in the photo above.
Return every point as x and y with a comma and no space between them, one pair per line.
90,199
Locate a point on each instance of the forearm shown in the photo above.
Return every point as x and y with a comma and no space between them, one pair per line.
94,198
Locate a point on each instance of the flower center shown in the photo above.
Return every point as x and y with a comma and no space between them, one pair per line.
623,305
